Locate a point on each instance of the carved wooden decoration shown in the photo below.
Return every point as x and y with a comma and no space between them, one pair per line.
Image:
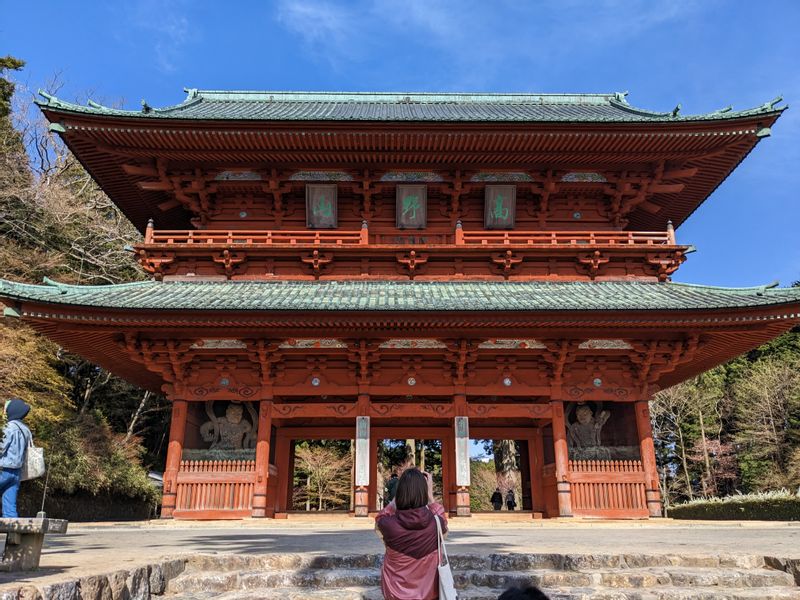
412,206
500,206
321,206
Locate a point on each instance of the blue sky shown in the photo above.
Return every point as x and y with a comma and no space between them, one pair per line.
704,54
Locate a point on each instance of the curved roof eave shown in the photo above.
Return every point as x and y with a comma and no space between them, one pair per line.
245,106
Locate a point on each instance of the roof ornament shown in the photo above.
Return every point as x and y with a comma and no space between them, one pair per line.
59,286
51,99
620,96
676,110
191,93
771,104
146,108
94,104
763,288
722,111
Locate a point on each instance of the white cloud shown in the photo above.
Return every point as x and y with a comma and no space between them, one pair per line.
328,31
168,29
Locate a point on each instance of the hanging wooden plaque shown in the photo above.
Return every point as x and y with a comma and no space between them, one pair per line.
321,206
500,206
412,206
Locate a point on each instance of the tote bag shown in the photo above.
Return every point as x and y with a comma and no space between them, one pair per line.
447,588
33,465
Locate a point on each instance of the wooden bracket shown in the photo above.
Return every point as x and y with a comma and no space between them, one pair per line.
229,261
506,261
593,262
318,261
412,261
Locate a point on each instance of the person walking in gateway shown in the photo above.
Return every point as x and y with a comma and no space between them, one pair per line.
497,499
14,445
409,533
511,500
391,488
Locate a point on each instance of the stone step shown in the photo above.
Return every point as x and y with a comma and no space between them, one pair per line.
651,577
491,562
374,593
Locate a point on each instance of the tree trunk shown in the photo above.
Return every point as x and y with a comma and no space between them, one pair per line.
137,414
422,455
707,478
685,463
505,452
308,493
411,452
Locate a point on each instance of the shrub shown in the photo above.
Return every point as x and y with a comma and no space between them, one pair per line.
764,506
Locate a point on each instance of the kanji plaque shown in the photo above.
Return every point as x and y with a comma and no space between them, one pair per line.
321,207
501,204
362,451
462,451
412,206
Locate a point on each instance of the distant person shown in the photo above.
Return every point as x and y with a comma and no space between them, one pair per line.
528,593
409,533
16,438
391,488
511,500
497,499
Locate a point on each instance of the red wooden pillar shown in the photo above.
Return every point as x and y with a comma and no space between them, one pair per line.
536,464
562,459
177,432
372,488
262,460
448,479
648,453
285,474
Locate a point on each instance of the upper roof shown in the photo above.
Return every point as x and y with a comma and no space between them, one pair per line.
411,296
215,105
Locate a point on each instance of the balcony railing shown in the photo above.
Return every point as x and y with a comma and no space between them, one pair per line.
362,238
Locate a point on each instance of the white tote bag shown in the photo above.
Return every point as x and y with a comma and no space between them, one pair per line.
447,588
33,465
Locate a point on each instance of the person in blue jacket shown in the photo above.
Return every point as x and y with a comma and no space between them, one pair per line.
16,438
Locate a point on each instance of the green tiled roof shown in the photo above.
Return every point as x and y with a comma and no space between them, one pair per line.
400,296
371,106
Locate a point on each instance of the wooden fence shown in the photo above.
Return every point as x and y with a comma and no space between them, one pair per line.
215,489
608,488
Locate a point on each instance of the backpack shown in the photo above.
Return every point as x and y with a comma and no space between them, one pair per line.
33,465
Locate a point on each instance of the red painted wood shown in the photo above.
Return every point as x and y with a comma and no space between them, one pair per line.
262,459
177,432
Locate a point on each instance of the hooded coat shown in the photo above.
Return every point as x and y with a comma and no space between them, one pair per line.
16,435
409,569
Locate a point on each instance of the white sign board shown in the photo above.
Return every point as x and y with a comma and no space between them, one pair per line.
462,451
362,451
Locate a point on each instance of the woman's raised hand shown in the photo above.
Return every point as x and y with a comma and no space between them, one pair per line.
429,481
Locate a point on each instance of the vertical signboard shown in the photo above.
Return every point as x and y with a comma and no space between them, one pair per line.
462,451
362,451
412,206
321,209
500,206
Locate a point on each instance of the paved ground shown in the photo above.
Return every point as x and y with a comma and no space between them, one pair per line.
89,549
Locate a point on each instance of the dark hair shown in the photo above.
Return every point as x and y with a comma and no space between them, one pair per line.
412,490
529,593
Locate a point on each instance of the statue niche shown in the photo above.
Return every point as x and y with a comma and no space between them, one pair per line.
231,431
583,435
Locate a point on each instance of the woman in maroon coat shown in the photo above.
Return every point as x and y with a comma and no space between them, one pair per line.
409,532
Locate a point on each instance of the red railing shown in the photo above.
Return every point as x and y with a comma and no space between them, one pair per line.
608,488
564,238
361,238
261,237
215,488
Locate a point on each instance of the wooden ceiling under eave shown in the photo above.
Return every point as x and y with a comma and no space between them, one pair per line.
103,143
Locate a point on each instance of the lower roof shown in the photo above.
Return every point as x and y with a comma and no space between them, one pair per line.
405,296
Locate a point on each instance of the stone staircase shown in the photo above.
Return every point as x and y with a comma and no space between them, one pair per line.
561,576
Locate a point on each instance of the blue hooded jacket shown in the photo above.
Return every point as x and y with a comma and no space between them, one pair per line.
16,435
